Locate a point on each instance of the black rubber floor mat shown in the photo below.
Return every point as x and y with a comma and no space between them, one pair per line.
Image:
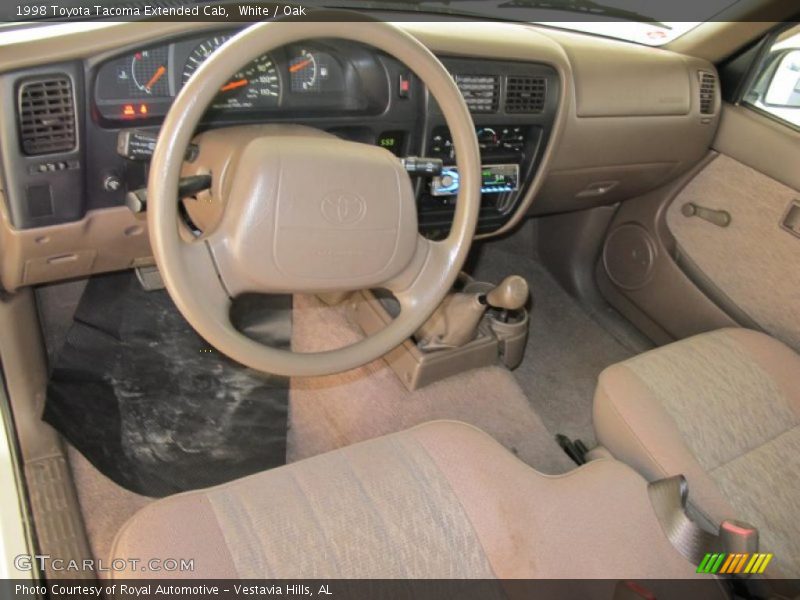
152,405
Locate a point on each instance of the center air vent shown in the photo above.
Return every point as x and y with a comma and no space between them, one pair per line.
525,94
708,88
481,92
46,114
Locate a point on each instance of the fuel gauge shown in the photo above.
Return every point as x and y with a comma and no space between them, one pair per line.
305,72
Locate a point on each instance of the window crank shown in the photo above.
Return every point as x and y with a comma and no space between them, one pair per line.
720,218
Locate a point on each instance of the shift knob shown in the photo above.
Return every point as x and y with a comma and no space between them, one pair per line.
511,294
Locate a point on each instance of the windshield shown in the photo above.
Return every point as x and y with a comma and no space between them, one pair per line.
652,34
651,22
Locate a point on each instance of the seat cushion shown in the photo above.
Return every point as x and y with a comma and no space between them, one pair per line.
442,500
723,409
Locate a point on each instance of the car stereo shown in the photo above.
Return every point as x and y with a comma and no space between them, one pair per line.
495,179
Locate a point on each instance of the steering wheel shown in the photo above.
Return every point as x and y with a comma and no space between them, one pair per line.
305,212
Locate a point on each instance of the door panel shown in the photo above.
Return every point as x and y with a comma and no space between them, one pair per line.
694,275
767,145
753,260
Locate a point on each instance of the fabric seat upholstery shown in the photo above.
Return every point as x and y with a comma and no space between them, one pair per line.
723,409
442,500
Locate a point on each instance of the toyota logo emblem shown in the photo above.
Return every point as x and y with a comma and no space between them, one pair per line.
343,208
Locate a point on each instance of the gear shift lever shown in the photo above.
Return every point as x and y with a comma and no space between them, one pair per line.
455,322
511,294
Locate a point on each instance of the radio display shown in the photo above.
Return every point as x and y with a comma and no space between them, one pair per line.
495,179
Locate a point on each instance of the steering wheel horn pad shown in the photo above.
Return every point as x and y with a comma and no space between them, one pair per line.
314,214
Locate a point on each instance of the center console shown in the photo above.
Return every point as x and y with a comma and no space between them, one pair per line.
495,336
513,106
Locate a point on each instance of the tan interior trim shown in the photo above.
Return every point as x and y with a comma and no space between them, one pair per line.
733,28
110,239
717,40
760,142
608,72
25,369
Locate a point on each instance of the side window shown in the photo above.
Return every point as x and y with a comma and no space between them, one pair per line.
776,86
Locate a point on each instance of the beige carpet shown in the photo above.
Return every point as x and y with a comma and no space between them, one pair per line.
331,412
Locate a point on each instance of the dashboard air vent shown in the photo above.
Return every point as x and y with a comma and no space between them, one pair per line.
481,92
525,94
46,114
708,87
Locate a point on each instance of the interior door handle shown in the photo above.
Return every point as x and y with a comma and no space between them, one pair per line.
791,222
720,218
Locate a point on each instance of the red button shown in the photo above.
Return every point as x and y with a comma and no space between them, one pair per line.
404,88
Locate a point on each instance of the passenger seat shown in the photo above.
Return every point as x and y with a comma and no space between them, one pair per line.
723,409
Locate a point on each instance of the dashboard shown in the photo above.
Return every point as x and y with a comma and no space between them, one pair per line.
564,121
349,90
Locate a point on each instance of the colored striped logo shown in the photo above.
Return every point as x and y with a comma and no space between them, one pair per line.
731,564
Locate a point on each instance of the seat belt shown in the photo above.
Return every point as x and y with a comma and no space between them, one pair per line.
669,497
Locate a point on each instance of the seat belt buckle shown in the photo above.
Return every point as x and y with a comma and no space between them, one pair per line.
738,537
734,539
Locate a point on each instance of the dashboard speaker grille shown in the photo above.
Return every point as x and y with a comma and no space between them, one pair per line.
525,94
708,86
481,92
46,114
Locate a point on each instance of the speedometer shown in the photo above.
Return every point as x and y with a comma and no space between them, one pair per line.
257,85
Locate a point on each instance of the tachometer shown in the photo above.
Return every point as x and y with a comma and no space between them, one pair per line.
257,85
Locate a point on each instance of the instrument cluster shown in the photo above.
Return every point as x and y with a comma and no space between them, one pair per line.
142,83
